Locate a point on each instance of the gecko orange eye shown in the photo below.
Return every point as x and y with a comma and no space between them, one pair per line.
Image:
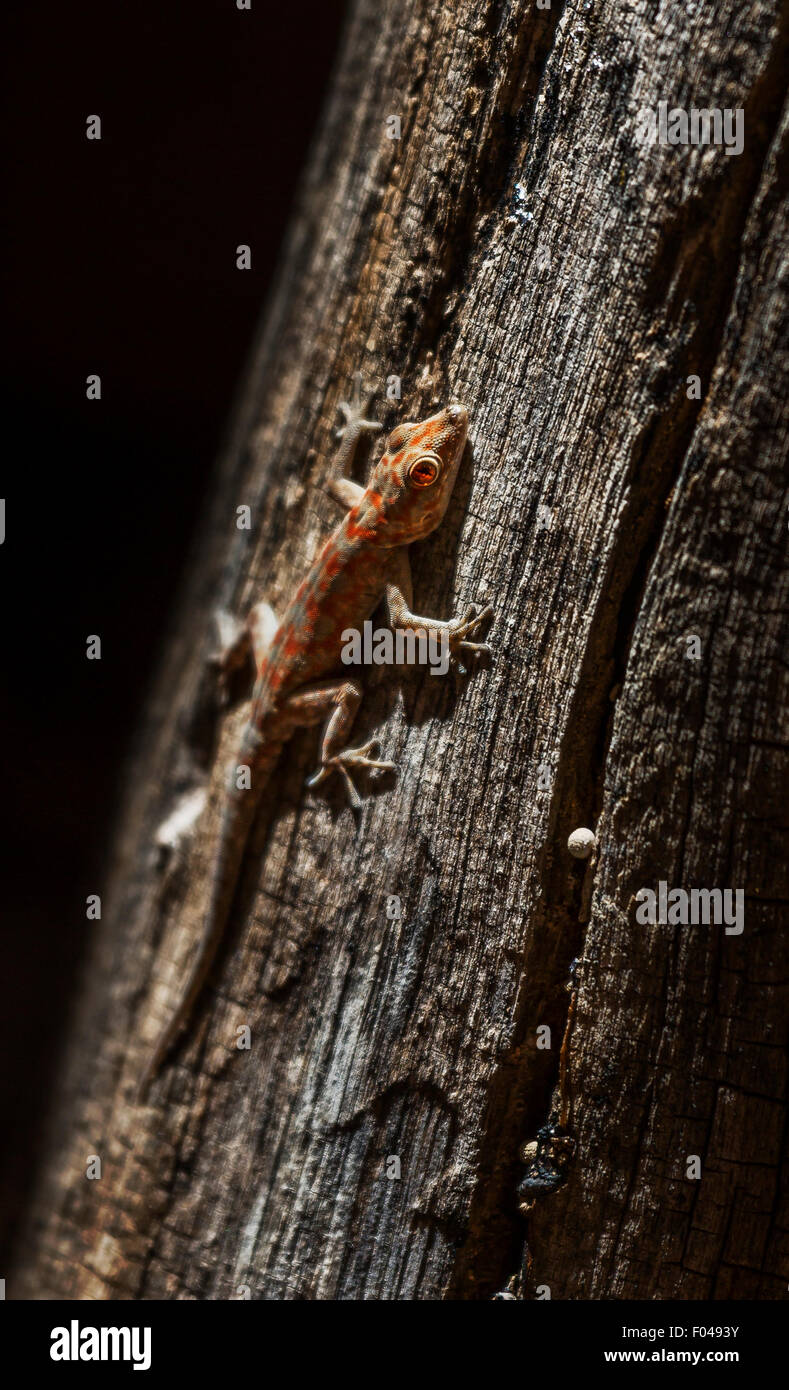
424,470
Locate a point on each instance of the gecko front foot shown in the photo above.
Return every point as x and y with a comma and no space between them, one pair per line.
461,628
354,412
350,757
237,640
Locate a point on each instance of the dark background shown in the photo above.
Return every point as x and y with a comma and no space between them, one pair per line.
119,260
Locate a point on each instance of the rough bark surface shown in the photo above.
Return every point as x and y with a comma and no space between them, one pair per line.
519,250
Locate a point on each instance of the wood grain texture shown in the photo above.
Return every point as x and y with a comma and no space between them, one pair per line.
516,249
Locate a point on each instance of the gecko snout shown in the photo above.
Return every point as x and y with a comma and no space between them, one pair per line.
456,427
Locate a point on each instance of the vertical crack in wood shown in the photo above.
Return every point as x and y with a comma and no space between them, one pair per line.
515,80
699,254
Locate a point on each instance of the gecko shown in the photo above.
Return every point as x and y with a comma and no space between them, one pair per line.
297,660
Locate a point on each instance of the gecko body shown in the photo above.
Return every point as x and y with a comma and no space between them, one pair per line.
364,561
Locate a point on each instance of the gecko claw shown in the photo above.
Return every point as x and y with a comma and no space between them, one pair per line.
351,757
355,424
462,628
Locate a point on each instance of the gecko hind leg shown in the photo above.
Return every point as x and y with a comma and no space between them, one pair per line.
460,629
348,758
339,700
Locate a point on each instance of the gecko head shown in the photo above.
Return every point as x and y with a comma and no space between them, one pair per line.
412,483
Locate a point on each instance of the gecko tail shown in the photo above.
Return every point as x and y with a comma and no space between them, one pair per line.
236,826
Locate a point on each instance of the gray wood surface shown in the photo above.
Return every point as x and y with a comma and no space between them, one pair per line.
520,250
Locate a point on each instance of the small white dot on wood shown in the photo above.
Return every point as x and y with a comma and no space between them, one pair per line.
581,843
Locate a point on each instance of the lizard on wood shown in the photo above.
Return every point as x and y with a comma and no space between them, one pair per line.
364,561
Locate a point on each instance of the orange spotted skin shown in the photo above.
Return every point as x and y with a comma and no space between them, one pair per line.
405,500
349,576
